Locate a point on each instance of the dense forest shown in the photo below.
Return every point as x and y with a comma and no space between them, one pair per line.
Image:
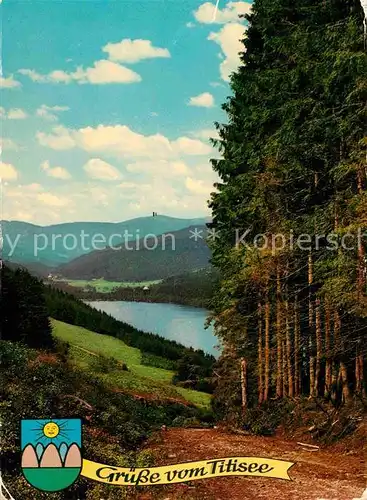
145,259
291,210
192,289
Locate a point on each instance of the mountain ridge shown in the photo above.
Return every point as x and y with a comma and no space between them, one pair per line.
49,245
141,262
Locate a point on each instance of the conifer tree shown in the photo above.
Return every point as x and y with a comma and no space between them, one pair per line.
293,162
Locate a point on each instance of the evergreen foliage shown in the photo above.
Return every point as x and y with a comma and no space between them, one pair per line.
192,288
24,314
293,161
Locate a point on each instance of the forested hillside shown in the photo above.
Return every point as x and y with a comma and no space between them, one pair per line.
144,259
193,288
293,315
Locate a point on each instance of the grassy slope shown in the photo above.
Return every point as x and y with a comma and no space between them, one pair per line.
140,378
103,286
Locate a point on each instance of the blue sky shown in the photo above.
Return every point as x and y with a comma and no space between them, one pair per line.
107,107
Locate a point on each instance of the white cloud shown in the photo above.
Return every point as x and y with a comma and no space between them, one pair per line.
216,84
52,200
8,172
194,147
49,112
23,190
198,186
208,14
9,82
190,25
132,51
13,114
34,203
92,200
206,134
60,139
33,75
56,172
204,100
161,167
8,144
33,187
99,169
98,195
121,141
229,39
102,72
108,72
128,185
16,114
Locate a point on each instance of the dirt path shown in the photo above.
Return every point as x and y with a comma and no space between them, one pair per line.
317,475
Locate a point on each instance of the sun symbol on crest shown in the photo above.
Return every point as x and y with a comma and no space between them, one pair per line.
51,431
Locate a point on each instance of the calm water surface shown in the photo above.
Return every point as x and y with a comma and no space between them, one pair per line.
175,322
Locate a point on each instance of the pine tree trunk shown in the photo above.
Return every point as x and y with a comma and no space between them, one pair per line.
343,377
359,181
361,289
328,367
285,367
297,381
260,356
318,389
244,384
361,373
310,326
357,372
361,282
267,349
343,374
335,360
289,353
279,387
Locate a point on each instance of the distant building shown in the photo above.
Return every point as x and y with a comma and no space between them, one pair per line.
155,214
146,289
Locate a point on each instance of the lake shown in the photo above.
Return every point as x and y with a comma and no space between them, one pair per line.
183,324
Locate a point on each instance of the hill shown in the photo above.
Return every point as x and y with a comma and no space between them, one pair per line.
35,268
94,352
141,262
194,288
59,243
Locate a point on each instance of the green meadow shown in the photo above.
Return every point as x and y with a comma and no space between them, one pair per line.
86,347
103,286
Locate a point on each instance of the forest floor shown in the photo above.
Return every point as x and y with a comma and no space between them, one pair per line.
330,473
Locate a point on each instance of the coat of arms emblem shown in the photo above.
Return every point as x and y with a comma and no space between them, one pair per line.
51,452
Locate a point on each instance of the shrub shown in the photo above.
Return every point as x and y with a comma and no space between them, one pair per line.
62,349
149,359
186,422
265,419
103,364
